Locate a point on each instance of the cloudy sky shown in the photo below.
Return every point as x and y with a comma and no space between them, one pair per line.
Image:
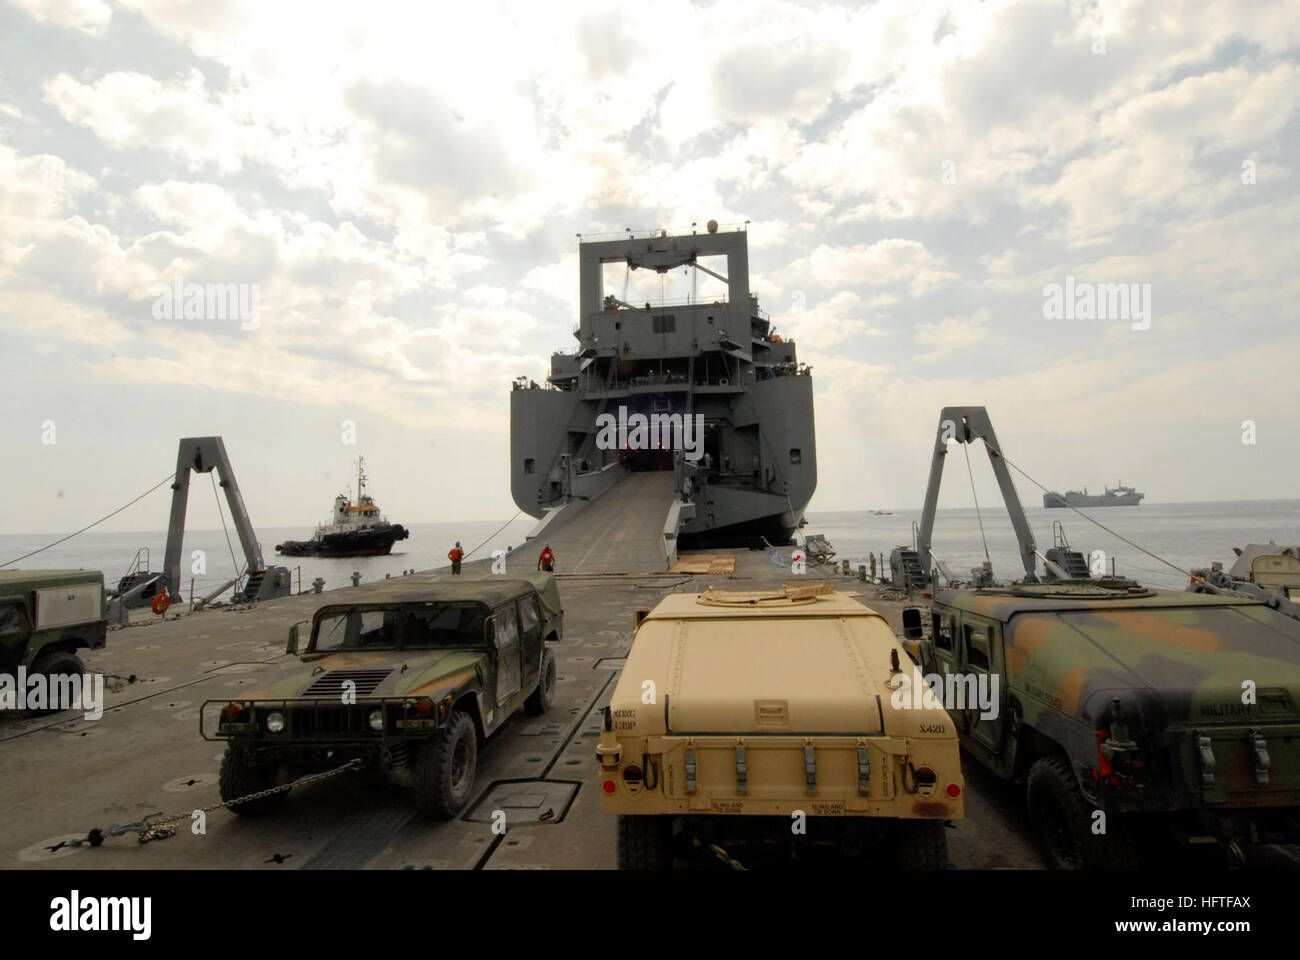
403,184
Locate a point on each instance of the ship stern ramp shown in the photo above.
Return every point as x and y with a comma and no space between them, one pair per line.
630,528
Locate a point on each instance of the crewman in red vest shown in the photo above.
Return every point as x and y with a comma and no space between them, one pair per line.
456,555
547,560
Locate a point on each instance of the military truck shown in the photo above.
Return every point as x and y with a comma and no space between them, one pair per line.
406,681
46,616
1126,711
744,719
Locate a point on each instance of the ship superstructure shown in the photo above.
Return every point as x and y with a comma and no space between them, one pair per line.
714,361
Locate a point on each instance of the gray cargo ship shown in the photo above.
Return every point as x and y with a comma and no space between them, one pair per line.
1119,496
701,391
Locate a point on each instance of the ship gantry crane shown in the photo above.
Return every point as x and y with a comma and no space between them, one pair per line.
203,455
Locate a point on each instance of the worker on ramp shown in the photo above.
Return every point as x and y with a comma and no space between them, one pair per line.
455,555
546,561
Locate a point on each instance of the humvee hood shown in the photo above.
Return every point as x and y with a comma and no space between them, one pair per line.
379,674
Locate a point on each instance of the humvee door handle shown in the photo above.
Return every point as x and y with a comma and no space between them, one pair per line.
1259,750
1207,761
864,771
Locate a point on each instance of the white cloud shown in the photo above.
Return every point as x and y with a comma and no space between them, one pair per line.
89,16
404,185
892,261
950,335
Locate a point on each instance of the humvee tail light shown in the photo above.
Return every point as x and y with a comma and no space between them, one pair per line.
376,720
275,722
609,786
954,791
632,773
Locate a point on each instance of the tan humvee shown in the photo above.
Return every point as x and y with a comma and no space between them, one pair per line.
745,718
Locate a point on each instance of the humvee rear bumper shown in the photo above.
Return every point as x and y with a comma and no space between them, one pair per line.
773,775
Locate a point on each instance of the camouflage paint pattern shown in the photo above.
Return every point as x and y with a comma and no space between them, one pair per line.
448,676
1209,688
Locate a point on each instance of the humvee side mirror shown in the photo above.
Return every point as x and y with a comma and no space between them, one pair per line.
292,646
912,628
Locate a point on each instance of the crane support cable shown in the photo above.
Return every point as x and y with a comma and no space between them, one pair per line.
234,564
974,496
493,534
168,479
1092,520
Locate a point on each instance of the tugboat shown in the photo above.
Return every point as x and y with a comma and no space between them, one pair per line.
356,529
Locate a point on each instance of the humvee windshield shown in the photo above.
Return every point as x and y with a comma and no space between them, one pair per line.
423,627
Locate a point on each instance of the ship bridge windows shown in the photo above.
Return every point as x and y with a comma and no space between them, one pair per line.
664,323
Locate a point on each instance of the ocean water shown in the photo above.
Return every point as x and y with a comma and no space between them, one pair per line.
114,553
1186,534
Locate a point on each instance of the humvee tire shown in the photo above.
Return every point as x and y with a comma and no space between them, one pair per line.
443,771
921,844
1062,819
56,663
540,700
240,777
645,842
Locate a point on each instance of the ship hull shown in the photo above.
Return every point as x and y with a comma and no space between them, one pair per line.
1065,500
373,542
763,459
777,530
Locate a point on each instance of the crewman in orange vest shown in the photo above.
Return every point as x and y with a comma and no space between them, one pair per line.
547,560
456,555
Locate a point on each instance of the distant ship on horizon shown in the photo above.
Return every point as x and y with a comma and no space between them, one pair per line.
1117,496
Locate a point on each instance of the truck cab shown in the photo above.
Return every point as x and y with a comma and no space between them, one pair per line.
48,615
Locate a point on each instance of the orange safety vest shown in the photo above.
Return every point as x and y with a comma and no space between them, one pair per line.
454,554
547,556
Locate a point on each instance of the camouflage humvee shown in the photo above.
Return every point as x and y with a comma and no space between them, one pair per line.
768,718
46,616
1125,709
406,680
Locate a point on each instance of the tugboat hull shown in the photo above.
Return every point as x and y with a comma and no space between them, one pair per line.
372,542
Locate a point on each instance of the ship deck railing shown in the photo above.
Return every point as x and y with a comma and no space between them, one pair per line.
652,233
